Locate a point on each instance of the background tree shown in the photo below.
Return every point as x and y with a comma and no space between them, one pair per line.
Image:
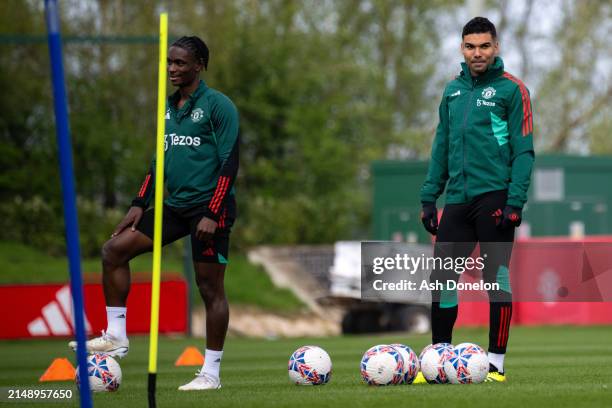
322,87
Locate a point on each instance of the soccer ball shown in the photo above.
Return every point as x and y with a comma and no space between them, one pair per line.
310,365
104,373
382,365
432,360
467,364
411,363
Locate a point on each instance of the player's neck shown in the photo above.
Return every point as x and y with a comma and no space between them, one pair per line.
187,90
479,74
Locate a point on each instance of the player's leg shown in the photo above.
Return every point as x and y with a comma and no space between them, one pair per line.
209,278
455,238
116,254
119,250
497,245
210,260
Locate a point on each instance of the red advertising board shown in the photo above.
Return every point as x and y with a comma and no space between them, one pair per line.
46,310
539,268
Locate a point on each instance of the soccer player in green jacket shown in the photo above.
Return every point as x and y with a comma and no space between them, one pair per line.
201,164
482,156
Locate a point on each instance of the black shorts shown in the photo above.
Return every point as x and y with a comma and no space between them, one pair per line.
476,222
180,222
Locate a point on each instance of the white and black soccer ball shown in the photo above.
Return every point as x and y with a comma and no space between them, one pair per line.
382,365
432,360
310,365
467,364
104,373
411,363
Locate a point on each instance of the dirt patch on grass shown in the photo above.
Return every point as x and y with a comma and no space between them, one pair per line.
247,321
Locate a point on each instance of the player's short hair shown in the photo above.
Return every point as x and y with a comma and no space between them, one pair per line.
479,25
196,47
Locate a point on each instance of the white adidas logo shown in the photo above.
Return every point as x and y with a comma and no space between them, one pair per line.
57,318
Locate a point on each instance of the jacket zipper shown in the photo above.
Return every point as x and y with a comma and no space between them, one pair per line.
465,115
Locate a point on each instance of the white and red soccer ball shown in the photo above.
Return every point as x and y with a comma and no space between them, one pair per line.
382,365
310,365
467,364
103,371
432,361
411,363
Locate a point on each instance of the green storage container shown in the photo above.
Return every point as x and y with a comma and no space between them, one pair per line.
569,196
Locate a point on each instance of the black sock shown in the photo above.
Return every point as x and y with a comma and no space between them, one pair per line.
442,322
500,314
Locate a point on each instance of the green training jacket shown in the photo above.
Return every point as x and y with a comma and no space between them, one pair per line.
201,152
484,140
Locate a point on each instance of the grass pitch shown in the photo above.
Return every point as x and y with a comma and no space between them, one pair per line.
551,366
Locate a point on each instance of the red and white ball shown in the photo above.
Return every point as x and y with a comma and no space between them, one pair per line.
432,361
310,365
104,373
382,365
467,364
411,363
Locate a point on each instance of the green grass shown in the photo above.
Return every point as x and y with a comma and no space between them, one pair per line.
23,264
553,366
245,283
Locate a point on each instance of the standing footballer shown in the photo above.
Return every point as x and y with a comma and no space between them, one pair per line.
483,156
201,164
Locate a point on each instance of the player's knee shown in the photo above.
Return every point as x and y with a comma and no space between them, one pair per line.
210,289
112,255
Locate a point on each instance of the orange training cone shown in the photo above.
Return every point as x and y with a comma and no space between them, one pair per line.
60,370
191,356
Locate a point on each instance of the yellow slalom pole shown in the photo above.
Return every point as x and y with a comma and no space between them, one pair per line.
159,196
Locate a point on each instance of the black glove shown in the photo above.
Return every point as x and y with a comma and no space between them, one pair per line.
511,217
429,217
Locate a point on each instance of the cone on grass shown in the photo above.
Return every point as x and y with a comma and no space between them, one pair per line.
60,370
191,356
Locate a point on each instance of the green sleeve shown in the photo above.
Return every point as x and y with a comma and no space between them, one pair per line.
520,128
224,118
437,174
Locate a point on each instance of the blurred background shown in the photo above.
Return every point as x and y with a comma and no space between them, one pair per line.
338,106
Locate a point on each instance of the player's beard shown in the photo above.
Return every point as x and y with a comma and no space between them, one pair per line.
483,65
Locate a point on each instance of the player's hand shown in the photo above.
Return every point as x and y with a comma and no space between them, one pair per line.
132,218
206,229
429,218
511,218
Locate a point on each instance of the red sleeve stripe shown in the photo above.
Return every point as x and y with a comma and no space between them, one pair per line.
219,194
144,186
222,219
219,191
527,116
222,185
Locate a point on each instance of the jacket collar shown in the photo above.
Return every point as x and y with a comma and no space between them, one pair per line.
494,70
174,98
